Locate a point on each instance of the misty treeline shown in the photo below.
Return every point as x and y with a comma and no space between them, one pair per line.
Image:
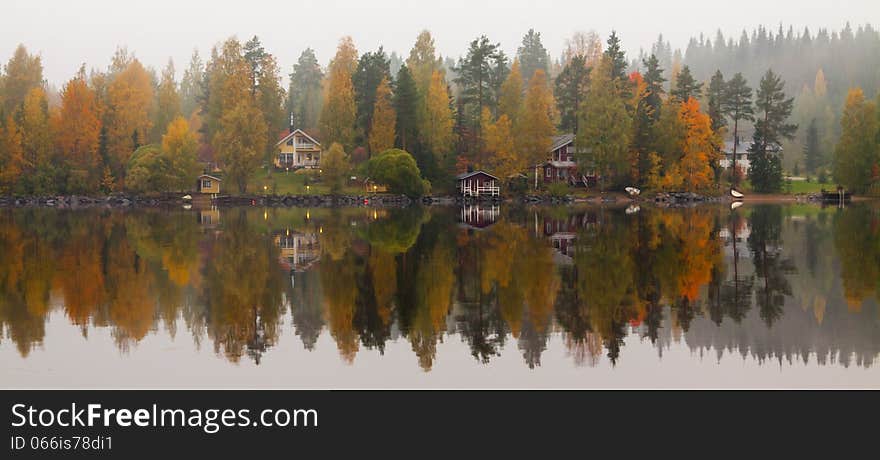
819,68
659,121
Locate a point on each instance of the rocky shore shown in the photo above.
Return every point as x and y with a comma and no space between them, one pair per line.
176,200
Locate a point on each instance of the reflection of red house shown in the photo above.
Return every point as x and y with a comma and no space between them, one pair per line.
478,217
562,234
562,164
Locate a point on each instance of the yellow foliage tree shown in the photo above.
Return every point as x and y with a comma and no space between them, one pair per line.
11,155
130,100
338,113
501,158
36,136
699,148
241,142
179,146
384,119
511,97
167,102
438,119
78,125
536,121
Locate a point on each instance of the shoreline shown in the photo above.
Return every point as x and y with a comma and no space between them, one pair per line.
175,200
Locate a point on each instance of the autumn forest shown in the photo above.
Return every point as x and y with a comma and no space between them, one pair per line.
795,103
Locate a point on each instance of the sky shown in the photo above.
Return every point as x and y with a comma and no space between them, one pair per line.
69,33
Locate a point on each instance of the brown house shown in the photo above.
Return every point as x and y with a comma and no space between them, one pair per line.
478,183
562,165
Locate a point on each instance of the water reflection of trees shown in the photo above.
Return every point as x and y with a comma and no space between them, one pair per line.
761,280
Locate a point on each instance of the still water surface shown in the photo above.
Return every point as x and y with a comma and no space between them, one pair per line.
762,296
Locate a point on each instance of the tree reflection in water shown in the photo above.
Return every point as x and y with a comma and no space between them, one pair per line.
769,281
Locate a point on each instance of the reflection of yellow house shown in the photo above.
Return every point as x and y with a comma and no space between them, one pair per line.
298,250
209,217
298,150
209,184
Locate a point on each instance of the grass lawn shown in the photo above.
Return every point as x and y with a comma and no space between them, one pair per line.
802,186
293,183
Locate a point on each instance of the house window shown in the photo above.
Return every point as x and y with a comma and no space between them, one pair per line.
206,183
547,172
562,173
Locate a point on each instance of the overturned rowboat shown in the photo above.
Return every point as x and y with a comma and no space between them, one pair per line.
736,194
632,191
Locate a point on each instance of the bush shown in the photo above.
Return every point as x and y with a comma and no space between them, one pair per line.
398,170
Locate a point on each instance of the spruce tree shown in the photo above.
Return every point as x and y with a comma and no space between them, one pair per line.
716,95
812,156
373,67
570,91
617,57
406,107
654,81
532,55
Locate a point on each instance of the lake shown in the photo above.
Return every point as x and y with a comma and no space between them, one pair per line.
762,296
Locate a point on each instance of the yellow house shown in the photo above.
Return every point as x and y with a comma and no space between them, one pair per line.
209,184
297,150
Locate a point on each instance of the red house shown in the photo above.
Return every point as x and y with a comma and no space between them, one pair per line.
478,183
562,165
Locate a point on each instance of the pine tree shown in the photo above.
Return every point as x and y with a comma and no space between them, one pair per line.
474,80
771,127
686,86
737,104
570,91
383,120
